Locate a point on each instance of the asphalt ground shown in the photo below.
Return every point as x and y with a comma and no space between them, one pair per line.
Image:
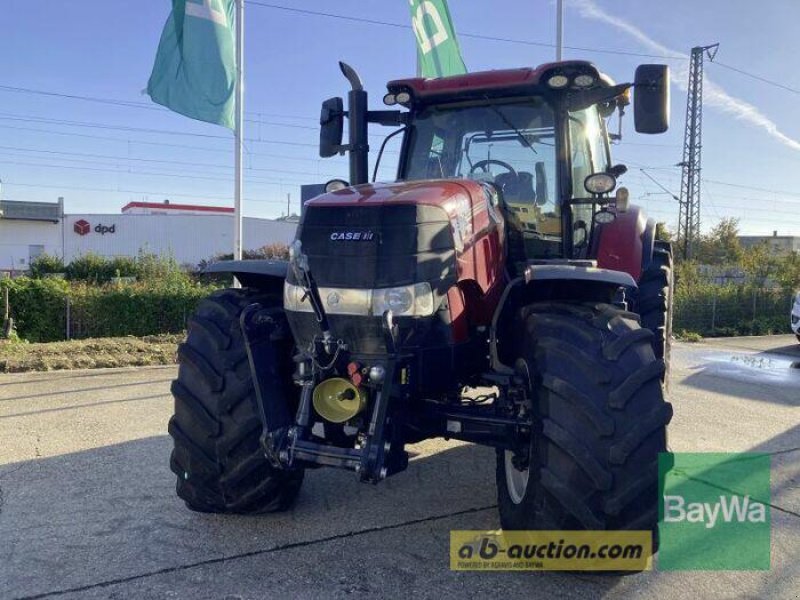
88,509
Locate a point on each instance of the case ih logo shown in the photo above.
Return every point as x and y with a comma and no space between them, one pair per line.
83,227
352,236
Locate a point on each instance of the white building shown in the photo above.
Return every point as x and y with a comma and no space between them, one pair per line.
189,233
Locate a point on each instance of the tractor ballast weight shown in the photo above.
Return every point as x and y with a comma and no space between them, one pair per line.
536,286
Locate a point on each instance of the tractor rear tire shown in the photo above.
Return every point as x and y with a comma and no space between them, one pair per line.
654,306
217,456
599,424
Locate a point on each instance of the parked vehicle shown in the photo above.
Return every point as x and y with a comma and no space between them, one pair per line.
796,316
398,296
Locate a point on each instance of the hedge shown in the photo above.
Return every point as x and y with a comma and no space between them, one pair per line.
39,308
725,310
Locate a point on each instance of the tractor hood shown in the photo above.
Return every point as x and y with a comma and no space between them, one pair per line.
437,192
392,236
387,235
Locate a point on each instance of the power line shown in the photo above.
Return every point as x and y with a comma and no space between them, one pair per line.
106,126
87,124
654,180
145,192
129,103
202,165
478,36
130,141
754,188
758,77
170,174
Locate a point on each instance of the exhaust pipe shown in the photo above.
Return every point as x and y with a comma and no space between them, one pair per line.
357,128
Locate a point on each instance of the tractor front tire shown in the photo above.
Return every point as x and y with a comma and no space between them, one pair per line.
217,456
654,306
599,423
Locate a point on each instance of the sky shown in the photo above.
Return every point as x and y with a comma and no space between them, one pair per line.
101,155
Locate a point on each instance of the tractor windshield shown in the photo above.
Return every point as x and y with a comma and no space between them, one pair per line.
511,145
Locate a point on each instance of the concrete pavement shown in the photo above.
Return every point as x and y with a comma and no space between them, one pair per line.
88,510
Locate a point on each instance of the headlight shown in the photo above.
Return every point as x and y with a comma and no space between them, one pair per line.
407,301
410,301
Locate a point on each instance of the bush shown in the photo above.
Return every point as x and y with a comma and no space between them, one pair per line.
153,267
39,307
46,264
268,252
93,268
89,267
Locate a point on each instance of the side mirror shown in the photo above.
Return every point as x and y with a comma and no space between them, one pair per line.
331,122
651,99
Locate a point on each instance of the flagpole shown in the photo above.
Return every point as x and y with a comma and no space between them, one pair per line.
560,30
239,131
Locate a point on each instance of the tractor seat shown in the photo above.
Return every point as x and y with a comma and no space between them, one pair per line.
517,188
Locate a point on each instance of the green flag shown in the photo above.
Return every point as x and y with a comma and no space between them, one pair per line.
195,68
437,45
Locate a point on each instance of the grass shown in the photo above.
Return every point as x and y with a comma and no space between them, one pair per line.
688,336
19,356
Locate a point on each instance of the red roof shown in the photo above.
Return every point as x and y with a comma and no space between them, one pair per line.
170,206
489,80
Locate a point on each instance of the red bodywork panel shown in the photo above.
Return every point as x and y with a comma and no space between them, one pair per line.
505,79
478,231
620,243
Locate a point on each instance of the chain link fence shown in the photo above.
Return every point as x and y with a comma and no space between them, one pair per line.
732,310
82,320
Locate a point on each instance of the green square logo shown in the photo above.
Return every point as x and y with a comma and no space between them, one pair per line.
714,512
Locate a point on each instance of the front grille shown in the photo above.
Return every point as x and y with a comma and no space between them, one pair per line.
382,246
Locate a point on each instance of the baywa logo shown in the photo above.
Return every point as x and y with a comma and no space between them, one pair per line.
730,508
715,511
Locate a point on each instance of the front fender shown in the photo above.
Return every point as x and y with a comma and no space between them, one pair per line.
267,275
588,273
625,244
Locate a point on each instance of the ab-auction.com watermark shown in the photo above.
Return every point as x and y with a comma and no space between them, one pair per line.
550,550
714,514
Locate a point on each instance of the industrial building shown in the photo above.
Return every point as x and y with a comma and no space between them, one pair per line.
190,233
780,245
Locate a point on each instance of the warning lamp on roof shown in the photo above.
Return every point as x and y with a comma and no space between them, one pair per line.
584,81
390,99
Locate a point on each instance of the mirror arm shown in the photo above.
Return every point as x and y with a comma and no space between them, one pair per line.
580,100
388,117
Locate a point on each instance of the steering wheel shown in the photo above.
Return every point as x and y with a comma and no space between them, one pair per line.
483,164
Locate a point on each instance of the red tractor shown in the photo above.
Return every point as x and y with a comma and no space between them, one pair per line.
501,291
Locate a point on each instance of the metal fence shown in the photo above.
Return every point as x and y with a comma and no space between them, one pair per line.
82,321
733,310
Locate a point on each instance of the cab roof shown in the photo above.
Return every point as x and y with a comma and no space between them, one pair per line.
505,81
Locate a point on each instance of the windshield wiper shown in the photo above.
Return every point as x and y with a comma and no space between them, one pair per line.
520,135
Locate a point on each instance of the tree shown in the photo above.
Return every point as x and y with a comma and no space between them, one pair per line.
720,246
759,263
662,233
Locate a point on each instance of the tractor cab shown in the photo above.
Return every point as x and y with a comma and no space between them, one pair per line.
535,136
